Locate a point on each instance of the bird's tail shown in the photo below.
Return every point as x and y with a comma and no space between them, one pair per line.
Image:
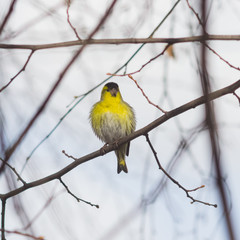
122,166
121,152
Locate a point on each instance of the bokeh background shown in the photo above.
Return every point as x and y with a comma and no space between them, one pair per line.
142,204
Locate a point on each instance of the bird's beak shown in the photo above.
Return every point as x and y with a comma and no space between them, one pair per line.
113,92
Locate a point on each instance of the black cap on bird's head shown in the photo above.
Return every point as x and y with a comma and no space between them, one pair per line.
112,88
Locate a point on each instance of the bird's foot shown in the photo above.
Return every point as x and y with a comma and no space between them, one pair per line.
103,149
115,144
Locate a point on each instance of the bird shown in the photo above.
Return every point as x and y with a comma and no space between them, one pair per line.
111,119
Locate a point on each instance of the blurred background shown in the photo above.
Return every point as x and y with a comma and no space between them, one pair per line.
142,204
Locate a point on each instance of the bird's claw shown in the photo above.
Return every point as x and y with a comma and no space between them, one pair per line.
103,149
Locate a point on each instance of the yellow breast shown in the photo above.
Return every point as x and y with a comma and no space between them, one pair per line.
112,118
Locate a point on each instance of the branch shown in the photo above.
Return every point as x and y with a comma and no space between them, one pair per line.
8,15
211,124
21,70
69,22
176,182
3,218
143,93
221,58
143,131
200,38
77,198
144,65
206,34
23,234
15,171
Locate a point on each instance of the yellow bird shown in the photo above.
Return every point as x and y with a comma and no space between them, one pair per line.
112,118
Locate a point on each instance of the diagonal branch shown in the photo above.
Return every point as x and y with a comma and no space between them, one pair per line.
29,236
77,198
175,181
144,94
141,132
21,70
143,66
10,10
15,171
221,58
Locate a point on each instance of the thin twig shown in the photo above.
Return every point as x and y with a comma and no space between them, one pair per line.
205,38
195,13
23,234
176,182
77,198
3,218
5,20
144,65
69,22
69,156
21,70
238,98
224,60
15,171
163,111
195,189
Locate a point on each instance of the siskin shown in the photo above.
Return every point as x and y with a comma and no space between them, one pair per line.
112,118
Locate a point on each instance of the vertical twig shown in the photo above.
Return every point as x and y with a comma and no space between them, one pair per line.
3,218
69,22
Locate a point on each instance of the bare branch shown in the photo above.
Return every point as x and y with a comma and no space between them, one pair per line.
23,234
77,198
238,98
15,171
211,124
141,132
195,13
8,15
144,65
143,93
3,218
21,70
69,156
224,60
69,22
209,37
176,182
206,35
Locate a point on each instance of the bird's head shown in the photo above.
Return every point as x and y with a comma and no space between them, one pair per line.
111,90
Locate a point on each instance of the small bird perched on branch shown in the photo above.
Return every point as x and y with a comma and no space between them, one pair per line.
112,118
